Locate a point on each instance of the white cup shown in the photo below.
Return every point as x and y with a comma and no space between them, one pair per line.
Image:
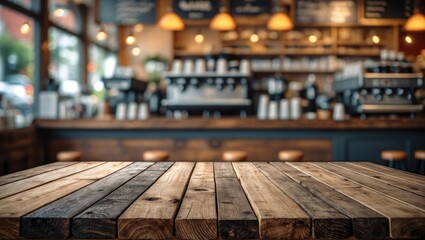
339,112
296,110
188,66
221,66
132,111
263,104
284,110
143,112
121,111
177,66
273,110
200,66
245,67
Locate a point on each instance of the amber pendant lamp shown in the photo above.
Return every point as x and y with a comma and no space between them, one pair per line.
279,21
416,22
223,21
171,21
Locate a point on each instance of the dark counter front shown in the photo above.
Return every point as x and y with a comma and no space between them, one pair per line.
196,138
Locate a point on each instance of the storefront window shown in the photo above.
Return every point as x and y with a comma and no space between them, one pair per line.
101,64
28,4
64,56
17,60
65,14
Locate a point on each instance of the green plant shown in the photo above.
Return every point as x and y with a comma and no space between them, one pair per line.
155,66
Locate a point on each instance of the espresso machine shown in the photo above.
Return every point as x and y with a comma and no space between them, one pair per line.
377,93
124,90
208,94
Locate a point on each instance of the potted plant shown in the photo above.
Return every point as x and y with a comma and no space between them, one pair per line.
155,67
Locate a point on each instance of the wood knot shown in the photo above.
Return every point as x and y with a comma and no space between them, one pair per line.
200,189
175,201
152,199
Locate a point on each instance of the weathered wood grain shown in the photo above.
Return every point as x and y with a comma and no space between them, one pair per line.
224,170
100,220
419,179
278,215
354,173
54,219
197,217
15,206
236,219
37,180
327,222
32,172
405,221
152,214
366,223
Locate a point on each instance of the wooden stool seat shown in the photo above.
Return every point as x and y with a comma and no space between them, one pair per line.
156,155
420,155
235,155
393,155
291,155
69,156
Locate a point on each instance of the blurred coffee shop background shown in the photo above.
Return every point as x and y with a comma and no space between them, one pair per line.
129,61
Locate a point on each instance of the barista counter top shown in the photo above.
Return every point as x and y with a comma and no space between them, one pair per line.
235,123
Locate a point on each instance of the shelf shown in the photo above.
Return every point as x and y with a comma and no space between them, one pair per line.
301,71
360,44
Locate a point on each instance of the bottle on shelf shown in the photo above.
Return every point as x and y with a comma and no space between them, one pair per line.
384,67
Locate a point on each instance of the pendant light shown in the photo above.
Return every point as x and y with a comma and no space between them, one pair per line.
223,21
25,28
279,21
416,22
101,35
199,37
130,39
171,21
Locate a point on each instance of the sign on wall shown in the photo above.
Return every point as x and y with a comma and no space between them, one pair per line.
326,11
196,9
250,7
382,9
127,12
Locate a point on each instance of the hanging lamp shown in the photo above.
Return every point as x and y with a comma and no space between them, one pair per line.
171,21
223,21
416,22
279,21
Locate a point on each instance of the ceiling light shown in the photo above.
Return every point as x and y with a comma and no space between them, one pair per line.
312,38
59,12
130,39
171,21
254,38
101,35
375,39
416,22
279,21
199,37
25,28
135,51
408,39
138,28
223,21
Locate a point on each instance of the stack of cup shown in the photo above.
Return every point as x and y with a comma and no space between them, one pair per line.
263,104
284,111
143,112
339,112
273,110
176,67
296,109
200,66
221,66
121,111
132,111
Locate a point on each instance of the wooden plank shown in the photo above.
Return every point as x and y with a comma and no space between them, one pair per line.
197,217
327,222
394,179
278,215
100,220
54,219
366,222
152,214
34,181
16,206
236,219
32,172
411,177
224,170
405,221
354,173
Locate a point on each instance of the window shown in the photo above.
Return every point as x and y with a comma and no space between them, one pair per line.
33,5
65,15
101,64
17,60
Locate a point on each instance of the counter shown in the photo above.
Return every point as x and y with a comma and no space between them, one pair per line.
196,138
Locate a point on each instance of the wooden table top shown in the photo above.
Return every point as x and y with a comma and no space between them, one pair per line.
184,200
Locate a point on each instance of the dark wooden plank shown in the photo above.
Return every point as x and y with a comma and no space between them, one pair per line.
406,221
278,215
224,170
14,207
197,216
33,171
366,223
327,222
351,172
100,220
54,220
236,219
152,215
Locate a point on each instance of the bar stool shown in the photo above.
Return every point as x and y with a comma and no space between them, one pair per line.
394,159
235,155
291,155
68,156
420,157
155,155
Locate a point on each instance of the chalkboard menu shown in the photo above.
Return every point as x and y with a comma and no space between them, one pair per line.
382,9
196,9
127,12
249,7
325,12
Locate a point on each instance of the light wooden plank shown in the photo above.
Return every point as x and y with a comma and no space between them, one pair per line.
15,206
197,217
100,220
37,180
327,222
32,172
54,219
366,222
152,215
278,215
411,177
224,170
405,221
354,172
